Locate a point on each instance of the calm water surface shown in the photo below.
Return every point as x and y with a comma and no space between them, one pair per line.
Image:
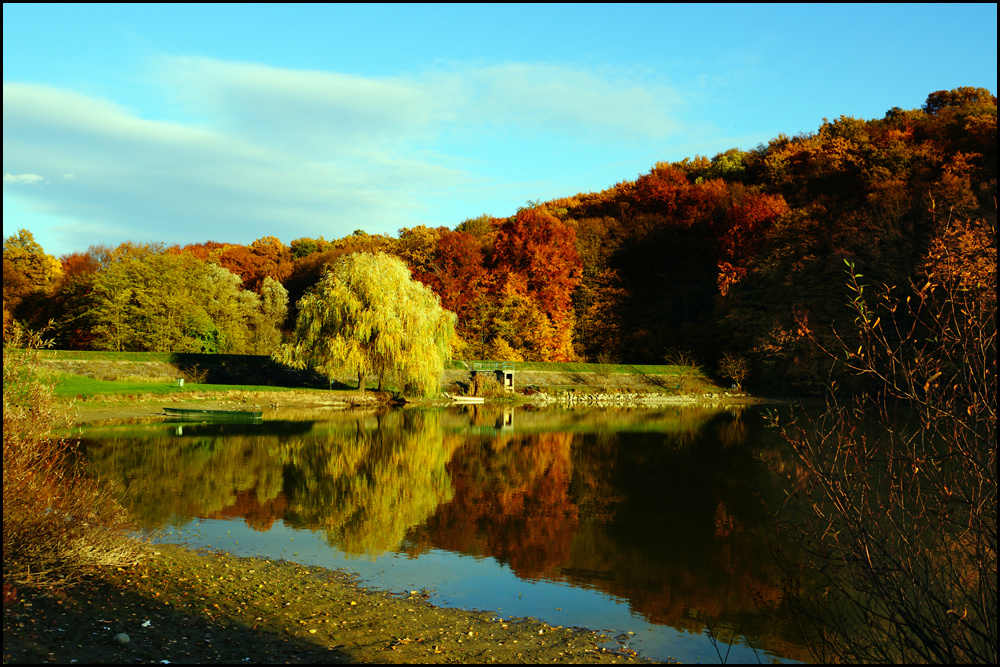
649,522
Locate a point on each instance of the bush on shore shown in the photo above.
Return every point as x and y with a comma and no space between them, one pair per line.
56,521
900,534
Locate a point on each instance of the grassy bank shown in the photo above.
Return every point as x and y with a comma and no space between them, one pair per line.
86,375
81,386
187,358
581,367
163,357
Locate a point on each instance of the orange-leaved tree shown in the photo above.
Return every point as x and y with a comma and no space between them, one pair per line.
538,252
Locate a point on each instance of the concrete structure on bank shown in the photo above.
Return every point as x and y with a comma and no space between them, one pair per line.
503,371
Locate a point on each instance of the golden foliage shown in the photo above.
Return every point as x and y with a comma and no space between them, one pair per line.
367,315
734,367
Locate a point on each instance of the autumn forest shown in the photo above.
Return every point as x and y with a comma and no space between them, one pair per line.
740,254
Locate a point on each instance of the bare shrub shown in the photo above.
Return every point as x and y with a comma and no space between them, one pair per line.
56,522
606,363
735,368
899,484
688,366
195,375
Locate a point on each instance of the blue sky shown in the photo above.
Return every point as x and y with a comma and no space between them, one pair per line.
188,123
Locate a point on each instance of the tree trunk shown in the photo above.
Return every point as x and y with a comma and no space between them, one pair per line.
361,381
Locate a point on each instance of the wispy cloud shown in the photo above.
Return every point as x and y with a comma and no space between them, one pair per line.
602,107
304,152
322,113
22,179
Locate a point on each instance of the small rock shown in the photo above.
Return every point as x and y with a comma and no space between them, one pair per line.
122,639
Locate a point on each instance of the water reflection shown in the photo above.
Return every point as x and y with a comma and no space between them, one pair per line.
363,479
659,508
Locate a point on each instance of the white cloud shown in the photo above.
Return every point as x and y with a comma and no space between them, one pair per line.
338,112
22,179
606,106
163,177
310,153
322,113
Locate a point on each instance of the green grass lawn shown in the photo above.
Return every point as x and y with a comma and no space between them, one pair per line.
575,367
69,385
174,357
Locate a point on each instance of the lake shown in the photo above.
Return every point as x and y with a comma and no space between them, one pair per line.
647,524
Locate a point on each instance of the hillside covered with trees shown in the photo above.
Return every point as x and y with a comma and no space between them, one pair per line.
739,256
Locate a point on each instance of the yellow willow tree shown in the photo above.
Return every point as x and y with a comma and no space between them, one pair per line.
367,315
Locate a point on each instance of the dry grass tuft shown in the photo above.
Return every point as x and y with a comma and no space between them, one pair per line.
56,521
487,386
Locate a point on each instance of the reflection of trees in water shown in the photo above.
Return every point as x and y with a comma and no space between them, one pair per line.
363,479
368,485
169,478
681,423
669,520
664,517
733,432
259,515
511,502
686,541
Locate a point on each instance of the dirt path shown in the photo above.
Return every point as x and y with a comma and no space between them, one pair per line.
183,606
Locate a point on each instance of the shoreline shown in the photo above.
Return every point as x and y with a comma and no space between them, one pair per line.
184,605
111,409
540,388
177,588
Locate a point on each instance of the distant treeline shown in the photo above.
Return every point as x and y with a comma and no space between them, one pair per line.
741,254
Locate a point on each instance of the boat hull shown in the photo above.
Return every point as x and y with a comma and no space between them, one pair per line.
214,415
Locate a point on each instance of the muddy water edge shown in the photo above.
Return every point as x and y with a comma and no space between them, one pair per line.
187,606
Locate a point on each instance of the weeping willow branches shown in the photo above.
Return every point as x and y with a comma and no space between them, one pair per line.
367,315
